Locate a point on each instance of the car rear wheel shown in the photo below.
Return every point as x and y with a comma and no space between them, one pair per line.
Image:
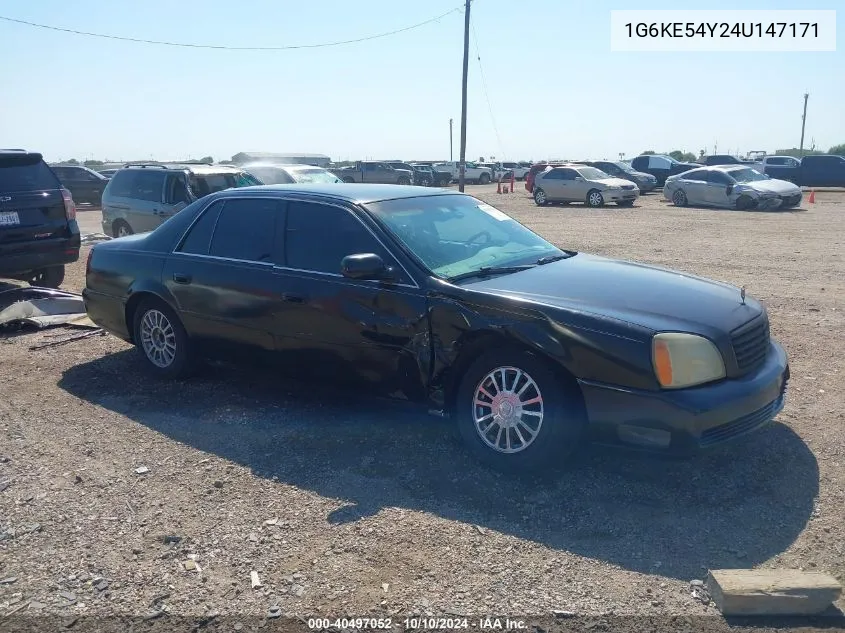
425,181
162,340
122,228
515,414
679,198
540,197
595,199
51,277
484,179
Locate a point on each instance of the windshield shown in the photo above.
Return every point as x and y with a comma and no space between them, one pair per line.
591,173
746,175
456,234
314,174
624,167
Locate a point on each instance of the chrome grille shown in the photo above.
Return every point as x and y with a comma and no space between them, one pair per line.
750,344
743,425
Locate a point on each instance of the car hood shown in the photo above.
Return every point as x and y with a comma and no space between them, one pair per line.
772,186
641,175
655,298
614,182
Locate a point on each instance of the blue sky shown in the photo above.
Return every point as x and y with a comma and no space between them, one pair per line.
555,88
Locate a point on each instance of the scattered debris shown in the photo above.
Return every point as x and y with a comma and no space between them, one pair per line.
9,580
189,565
90,238
218,484
70,339
563,614
101,585
298,590
256,581
271,522
385,586
274,612
142,470
68,595
480,529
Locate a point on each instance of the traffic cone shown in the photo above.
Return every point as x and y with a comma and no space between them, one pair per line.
812,196
499,187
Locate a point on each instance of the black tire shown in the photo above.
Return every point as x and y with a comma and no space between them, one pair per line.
594,199
540,198
403,181
484,179
560,428
744,203
625,203
184,359
425,182
679,198
50,277
121,228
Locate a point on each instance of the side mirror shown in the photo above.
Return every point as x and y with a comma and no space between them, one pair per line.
581,178
365,266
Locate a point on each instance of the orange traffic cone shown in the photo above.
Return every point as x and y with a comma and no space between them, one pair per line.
812,196
499,187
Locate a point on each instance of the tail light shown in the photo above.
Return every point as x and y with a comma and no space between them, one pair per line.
88,262
70,207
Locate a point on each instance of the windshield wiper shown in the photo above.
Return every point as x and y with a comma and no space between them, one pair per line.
548,259
486,271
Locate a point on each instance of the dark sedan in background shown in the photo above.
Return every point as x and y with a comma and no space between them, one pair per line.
440,299
645,182
661,167
85,185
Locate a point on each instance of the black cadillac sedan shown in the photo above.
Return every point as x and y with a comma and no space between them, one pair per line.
440,299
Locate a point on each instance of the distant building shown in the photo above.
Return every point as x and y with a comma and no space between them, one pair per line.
320,160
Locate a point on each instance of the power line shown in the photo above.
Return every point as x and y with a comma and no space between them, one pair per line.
230,48
484,86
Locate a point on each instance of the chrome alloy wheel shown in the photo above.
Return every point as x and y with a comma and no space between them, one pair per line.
596,199
158,339
123,231
507,410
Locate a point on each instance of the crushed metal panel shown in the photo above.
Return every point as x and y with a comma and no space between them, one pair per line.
41,307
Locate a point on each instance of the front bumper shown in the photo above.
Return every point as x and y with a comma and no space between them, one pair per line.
686,421
621,196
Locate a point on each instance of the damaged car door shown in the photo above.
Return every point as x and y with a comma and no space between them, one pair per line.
361,320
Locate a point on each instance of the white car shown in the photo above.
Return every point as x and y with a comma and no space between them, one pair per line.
472,173
519,171
730,187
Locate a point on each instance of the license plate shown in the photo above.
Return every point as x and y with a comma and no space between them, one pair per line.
9,218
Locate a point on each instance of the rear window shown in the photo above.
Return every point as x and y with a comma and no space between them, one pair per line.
25,173
205,184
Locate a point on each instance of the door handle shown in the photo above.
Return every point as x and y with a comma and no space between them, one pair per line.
292,298
181,278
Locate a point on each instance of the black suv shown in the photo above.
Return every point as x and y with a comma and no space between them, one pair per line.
85,185
38,229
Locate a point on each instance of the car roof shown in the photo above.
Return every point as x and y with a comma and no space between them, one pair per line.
349,192
20,152
196,168
728,167
284,166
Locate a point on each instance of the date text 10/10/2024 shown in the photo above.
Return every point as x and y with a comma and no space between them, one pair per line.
419,623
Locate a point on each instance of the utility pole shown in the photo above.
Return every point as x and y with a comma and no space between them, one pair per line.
462,167
450,141
803,123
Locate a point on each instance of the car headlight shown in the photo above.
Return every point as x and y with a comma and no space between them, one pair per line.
614,188
685,360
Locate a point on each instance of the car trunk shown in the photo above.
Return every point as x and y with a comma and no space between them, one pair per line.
31,203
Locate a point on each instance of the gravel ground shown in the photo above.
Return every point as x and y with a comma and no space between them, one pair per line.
348,507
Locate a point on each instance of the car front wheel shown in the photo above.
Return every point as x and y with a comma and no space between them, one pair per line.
595,199
51,277
540,197
515,414
679,198
162,340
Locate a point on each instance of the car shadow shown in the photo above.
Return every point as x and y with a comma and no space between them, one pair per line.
735,507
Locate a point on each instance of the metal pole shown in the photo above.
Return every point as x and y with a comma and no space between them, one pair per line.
462,167
450,141
803,123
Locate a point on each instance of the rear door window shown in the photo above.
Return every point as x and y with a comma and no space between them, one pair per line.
199,237
25,173
147,185
120,184
246,230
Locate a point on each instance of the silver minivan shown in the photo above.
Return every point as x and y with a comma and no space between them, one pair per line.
138,198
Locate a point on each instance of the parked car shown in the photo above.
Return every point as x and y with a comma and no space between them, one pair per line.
396,164
426,176
731,187
661,167
85,185
274,174
374,172
818,170
536,169
472,172
581,183
727,159
519,170
618,169
140,197
782,167
442,300
38,229
108,173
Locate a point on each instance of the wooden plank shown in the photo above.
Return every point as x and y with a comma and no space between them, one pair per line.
771,591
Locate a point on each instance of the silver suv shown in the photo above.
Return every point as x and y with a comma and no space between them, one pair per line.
139,197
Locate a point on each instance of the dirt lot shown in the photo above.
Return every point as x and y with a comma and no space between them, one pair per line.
349,507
